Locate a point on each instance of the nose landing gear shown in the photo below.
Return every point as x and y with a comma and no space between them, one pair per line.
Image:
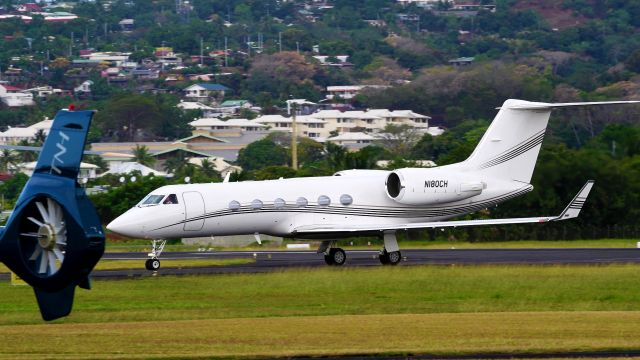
153,263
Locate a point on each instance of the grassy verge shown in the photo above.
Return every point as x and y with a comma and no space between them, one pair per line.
328,335
347,291
329,311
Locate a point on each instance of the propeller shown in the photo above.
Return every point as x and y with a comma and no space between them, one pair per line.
46,233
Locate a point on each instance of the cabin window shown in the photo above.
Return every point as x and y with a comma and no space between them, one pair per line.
171,199
279,203
234,205
324,200
302,202
346,199
152,200
256,204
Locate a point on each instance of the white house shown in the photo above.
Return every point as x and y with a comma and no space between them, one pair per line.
370,121
305,125
130,166
219,165
84,88
353,138
114,57
204,92
14,135
12,96
208,124
348,92
87,171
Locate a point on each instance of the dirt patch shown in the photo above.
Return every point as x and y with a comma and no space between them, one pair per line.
553,12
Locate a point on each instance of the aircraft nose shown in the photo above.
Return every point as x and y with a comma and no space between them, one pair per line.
124,226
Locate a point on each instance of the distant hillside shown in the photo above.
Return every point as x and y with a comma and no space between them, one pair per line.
554,12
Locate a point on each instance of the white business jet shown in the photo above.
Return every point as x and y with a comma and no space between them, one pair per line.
360,202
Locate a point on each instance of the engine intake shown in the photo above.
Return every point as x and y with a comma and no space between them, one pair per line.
415,186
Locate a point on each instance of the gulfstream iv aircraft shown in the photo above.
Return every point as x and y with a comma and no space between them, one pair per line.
360,202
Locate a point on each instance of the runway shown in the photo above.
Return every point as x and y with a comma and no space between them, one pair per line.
265,261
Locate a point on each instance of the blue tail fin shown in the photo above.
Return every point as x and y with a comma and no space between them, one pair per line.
62,152
54,237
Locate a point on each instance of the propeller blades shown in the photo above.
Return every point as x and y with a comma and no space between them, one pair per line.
51,237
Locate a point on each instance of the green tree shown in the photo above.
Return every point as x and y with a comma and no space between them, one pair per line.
142,156
8,159
262,153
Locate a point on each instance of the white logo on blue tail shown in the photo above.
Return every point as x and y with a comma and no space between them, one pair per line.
57,157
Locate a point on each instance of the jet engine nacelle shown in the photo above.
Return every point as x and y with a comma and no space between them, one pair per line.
411,186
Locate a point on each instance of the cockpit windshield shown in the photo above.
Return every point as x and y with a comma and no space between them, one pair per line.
152,200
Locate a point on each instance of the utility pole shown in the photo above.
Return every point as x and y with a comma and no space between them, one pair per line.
298,47
280,41
226,62
294,135
201,51
71,46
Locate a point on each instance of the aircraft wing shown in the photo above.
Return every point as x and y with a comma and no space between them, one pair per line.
571,211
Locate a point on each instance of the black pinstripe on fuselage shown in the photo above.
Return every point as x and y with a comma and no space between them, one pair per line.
354,210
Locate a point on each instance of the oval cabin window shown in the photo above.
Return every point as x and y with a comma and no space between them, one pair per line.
279,203
324,200
234,205
346,199
256,204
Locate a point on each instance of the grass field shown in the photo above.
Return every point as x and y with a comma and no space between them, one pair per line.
402,310
107,264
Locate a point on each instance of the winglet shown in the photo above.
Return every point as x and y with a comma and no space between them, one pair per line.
573,209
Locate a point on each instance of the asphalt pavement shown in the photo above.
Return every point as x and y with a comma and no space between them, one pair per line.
266,261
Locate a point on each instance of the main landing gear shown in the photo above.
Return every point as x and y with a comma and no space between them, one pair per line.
332,255
153,263
389,255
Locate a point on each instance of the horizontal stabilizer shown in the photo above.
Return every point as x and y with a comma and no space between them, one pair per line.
54,305
571,211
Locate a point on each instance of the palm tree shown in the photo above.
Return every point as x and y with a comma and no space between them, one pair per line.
142,156
207,168
175,164
7,160
27,155
39,137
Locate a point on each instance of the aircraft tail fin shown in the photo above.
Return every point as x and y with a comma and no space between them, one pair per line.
62,152
54,237
509,149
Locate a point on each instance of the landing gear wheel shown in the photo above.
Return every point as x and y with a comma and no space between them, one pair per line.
384,258
390,258
338,256
328,260
152,264
394,258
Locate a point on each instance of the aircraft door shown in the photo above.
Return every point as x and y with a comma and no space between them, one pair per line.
193,209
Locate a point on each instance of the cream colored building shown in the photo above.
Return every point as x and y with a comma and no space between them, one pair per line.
213,124
370,121
308,126
16,134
